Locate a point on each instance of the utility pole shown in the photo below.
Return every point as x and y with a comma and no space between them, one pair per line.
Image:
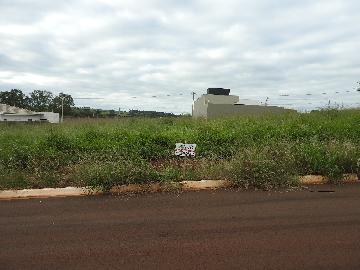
193,95
62,109
62,106
192,107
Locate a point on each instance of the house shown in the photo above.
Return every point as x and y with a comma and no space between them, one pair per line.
14,114
218,102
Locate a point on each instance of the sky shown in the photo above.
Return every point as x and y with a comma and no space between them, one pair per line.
151,55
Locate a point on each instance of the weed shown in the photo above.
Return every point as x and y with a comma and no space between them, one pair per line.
261,152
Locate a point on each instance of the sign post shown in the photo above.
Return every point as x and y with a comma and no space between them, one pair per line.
185,150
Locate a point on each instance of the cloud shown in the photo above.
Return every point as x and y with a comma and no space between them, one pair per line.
118,50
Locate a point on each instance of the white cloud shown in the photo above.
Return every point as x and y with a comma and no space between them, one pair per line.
29,78
122,49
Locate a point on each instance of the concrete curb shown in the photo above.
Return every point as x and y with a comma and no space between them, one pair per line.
156,187
204,184
184,185
319,179
44,192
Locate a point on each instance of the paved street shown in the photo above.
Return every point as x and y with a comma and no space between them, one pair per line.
225,229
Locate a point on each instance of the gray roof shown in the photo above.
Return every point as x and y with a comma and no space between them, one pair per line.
8,110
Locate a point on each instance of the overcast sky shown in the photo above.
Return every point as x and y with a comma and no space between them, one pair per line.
128,51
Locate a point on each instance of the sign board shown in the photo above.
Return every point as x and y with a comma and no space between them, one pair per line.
185,150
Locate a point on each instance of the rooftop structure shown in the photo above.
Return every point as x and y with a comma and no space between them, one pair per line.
218,91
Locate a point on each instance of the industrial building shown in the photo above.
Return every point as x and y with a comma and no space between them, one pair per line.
14,114
218,102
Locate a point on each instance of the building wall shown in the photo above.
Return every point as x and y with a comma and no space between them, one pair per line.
39,117
20,118
211,106
218,110
51,117
200,106
218,99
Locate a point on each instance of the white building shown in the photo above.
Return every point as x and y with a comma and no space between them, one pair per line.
14,114
217,103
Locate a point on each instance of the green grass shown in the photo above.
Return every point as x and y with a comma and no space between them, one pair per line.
261,152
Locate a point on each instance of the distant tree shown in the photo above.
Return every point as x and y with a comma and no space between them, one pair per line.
41,100
137,113
82,112
67,100
112,113
14,97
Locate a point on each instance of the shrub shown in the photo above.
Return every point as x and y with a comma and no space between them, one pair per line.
331,159
106,174
266,168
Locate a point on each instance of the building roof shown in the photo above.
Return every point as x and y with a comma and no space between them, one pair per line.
11,110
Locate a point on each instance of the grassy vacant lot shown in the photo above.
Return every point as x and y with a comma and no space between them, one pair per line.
262,152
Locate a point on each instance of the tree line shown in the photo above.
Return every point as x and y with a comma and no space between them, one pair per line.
37,100
43,100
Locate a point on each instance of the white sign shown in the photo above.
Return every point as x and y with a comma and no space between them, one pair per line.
185,150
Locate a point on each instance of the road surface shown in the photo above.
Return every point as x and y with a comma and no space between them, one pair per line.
224,229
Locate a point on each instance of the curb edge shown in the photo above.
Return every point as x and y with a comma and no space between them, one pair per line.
155,187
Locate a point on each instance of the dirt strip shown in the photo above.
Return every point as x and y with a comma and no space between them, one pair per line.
155,187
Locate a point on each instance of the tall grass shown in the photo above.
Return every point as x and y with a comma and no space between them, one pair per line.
263,152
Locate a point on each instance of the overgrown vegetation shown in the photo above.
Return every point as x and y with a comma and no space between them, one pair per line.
261,152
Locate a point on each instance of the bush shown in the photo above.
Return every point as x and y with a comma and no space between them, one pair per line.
263,169
106,174
331,159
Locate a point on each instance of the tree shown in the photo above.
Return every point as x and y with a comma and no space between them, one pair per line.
41,100
63,99
14,97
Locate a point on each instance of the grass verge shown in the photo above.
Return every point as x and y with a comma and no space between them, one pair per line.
254,152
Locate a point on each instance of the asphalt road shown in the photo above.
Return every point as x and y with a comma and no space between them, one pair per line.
223,229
